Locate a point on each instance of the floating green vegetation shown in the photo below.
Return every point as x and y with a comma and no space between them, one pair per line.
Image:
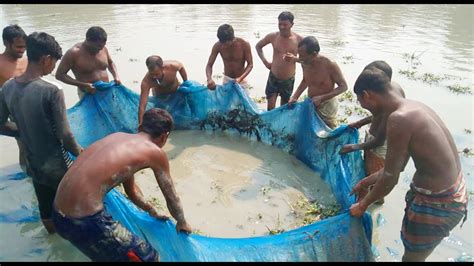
338,43
342,120
413,58
347,111
408,73
199,232
348,59
467,131
261,99
265,190
431,78
157,203
361,111
458,89
314,211
217,76
346,96
257,34
467,152
277,230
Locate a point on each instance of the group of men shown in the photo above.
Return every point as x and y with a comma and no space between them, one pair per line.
400,129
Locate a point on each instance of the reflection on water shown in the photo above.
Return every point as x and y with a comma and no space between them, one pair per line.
442,36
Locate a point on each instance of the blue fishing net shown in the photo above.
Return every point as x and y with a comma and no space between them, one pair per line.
296,129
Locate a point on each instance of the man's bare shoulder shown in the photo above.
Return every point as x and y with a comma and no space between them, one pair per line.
175,64
241,40
298,37
406,116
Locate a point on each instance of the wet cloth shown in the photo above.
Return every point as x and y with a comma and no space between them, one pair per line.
282,87
102,239
37,107
327,110
430,216
374,159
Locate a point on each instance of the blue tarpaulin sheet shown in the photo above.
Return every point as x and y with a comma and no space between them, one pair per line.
296,129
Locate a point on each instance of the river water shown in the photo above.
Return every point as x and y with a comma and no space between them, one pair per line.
430,49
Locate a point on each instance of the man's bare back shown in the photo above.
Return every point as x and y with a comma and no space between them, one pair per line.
102,166
430,145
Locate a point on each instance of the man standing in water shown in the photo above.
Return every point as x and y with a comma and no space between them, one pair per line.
235,53
161,78
39,112
437,199
320,75
13,64
281,78
104,165
89,61
375,145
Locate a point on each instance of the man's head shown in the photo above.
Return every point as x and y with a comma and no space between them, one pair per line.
225,33
382,65
308,48
371,87
154,63
158,123
44,50
96,38
14,39
285,22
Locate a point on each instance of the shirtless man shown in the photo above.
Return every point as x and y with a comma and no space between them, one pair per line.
78,211
38,109
281,78
437,199
320,75
89,61
161,77
235,52
375,145
13,64
12,61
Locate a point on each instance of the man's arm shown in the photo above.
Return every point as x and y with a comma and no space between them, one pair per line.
135,194
144,92
249,60
298,91
262,43
64,66
336,75
61,123
210,63
398,138
160,167
112,68
182,71
7,128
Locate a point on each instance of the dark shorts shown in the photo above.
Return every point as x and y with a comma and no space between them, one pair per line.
284,88
429,217
102,239
45,195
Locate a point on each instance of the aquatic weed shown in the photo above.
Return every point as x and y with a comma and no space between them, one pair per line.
458,89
